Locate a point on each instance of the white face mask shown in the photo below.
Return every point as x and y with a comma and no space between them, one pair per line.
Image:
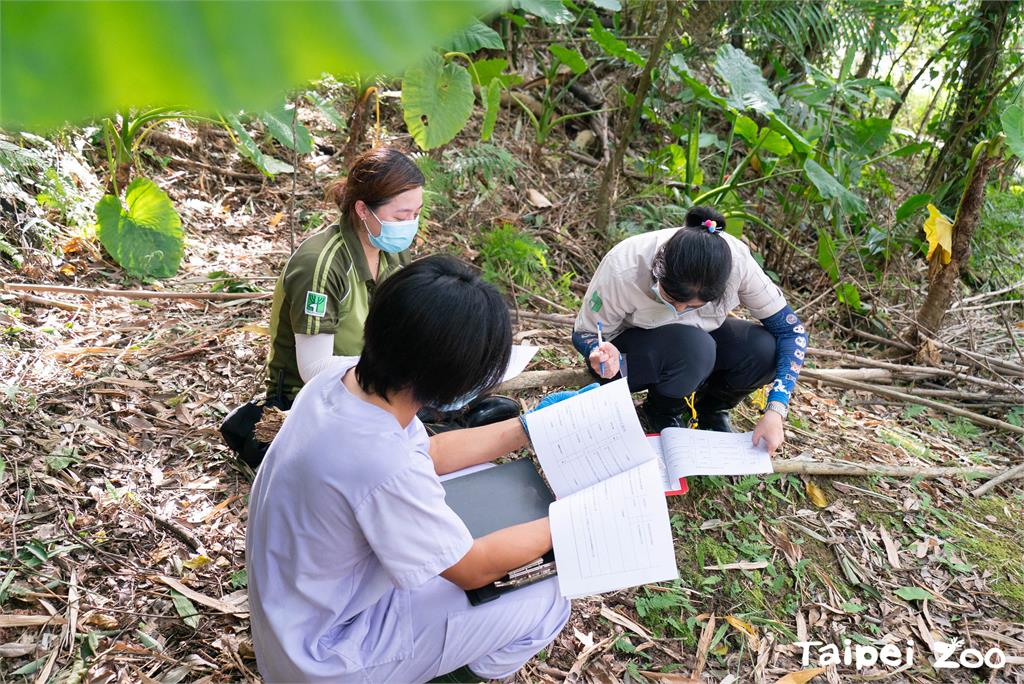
657,293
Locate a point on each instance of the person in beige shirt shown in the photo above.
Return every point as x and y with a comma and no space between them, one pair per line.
657,311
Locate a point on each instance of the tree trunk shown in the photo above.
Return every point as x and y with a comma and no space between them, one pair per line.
964,126
944,277
357,126
624,133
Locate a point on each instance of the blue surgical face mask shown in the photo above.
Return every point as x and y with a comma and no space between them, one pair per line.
657,293
395,236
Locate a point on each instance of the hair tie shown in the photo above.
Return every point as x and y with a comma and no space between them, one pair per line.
712,226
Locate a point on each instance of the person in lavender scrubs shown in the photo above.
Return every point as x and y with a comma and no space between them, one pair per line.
357,567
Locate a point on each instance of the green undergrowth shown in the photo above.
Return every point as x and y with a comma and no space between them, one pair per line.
988,531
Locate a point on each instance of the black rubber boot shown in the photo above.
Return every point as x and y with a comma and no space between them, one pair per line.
713,407
659,412
490,409
481,411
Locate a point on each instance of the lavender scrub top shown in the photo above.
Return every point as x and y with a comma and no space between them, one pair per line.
346,515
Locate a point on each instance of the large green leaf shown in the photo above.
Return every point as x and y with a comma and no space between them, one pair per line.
865,136
848,294
437,101
1012,119
571,58
912,205
269,165
830,188
486,70
476,36
771,141
69,61
612,45
549,11
492,102
279,123
747,86
146,238
801,144
327,109
827,255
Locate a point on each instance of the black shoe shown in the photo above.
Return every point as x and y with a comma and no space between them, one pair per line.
239,425
659,412
490,409
253,452
715,421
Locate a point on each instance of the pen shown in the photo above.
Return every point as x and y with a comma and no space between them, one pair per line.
600,341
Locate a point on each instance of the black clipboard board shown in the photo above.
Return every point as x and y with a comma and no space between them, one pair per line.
495,498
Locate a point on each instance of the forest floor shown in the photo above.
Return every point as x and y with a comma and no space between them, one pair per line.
123,513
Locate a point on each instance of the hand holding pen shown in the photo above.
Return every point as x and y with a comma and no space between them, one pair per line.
604,359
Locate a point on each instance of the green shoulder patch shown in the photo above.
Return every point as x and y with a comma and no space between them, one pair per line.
595,302
316,304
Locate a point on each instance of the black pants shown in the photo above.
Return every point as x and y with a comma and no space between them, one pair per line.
677,360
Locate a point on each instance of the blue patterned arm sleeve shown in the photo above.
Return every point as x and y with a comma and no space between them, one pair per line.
585,342
790,349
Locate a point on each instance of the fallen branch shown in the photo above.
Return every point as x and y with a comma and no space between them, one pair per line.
847,468
43,301
1006,475
183,535
564,319
812,374
133,294
568,377
981,359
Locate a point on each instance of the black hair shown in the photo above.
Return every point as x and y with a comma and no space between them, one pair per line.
696,261
437,329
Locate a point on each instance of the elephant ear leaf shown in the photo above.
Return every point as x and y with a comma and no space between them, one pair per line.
144,235
437,101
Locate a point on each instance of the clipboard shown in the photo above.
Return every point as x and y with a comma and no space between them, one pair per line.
498,497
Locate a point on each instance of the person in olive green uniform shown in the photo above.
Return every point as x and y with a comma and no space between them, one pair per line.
324,290
322,298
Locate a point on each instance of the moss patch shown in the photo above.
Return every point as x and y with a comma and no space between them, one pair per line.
989,534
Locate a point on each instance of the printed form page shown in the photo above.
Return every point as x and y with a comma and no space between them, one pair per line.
670,485
702,452
588,438
613,535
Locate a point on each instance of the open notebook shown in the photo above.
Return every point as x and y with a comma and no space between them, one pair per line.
685,453
610,524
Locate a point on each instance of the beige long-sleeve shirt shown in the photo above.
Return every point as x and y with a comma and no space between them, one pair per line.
620,293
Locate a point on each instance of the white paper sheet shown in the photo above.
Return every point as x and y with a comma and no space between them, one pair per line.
613,535
655,442
588,438
702,452
522,354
